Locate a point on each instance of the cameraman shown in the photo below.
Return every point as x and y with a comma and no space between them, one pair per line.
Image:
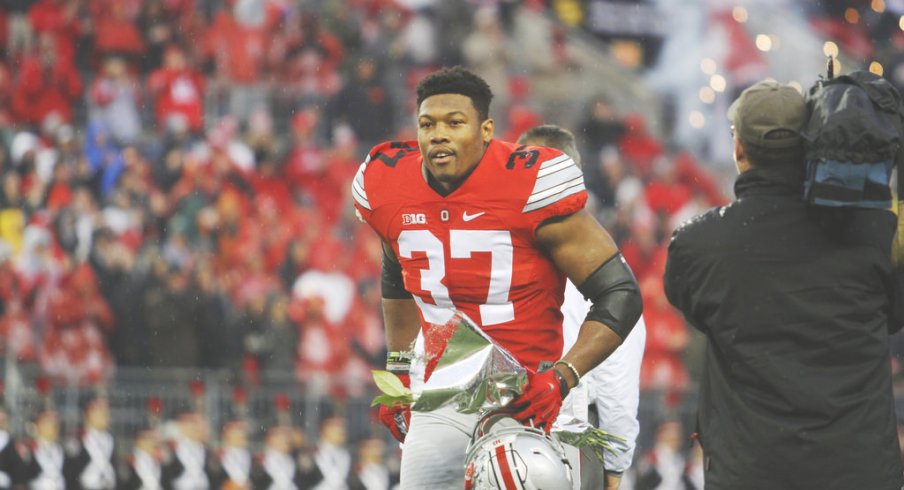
796,303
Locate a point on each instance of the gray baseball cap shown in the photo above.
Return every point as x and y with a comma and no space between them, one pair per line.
769,115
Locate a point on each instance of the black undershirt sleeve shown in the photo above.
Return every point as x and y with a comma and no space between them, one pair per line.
391,282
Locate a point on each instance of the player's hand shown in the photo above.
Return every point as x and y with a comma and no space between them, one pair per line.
541,399
396,418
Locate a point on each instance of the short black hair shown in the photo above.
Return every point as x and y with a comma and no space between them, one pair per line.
457,80
554,137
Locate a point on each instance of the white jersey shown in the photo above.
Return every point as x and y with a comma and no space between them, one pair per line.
613,386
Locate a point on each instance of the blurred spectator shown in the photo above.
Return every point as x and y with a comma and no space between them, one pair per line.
11,464
178,93
488,53
170,311
158,29
306,158
48,85
16,330
662,468
276,344
123,288
601,126
12,215
188,468
364,104
366,331
103,158
20,35
323,350
115,30
251,324
233,461
297,260
75,343
277,468
58,22
638,146
332,457
323,185
306,59
221,346
6,93
37,264
642,250
663,366
545,51
91,460
44,461
143,466
664,192
237,48
371,471
115,98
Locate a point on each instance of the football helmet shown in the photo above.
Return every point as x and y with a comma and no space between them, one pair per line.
506,455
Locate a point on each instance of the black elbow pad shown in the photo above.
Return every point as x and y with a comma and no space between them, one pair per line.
615,295
391,282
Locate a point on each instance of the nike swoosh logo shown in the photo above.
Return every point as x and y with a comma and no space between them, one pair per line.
468,217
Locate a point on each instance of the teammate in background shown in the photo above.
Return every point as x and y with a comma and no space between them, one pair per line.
473,223
91,464
608,395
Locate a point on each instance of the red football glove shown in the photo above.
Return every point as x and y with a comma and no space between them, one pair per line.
397,417
542,398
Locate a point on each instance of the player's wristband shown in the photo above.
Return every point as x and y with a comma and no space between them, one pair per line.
570,367
399,361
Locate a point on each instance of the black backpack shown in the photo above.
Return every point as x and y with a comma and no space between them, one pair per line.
853,139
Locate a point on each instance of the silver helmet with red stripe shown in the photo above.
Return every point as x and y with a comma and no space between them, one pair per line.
506,455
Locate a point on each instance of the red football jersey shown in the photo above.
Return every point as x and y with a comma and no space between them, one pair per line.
476,249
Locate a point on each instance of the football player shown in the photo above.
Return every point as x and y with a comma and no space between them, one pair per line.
609,395
492,229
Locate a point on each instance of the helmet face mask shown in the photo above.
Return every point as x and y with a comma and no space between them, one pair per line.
506,455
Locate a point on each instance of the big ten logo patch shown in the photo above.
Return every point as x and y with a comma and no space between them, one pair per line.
414,219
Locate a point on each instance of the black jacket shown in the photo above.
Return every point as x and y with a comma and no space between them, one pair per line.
796,303
12,465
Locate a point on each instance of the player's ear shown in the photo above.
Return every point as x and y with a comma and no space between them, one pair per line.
487,127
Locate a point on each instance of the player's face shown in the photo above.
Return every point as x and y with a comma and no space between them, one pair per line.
451,136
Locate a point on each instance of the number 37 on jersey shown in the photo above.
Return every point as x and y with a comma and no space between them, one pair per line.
475,249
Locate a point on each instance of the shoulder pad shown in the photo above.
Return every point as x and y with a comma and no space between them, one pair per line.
557,178
389,154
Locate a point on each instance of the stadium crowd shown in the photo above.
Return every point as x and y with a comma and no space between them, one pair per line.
174,178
